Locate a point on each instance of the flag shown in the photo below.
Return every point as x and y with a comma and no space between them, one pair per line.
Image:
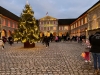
47,13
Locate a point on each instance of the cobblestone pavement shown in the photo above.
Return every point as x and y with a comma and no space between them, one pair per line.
61,58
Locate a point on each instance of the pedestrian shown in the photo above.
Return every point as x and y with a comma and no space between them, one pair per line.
47,41
1,44
95,50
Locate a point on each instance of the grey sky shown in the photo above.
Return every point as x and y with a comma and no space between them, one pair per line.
60,9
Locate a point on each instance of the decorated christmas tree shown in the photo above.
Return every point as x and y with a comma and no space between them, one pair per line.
27,31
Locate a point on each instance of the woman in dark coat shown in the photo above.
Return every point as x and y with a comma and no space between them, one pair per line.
95,50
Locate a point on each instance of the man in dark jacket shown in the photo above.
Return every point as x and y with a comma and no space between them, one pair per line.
47,41
95,50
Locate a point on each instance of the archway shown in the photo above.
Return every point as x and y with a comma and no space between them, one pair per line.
9,33
3,33
54,34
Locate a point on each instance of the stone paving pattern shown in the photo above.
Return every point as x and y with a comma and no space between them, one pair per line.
63,58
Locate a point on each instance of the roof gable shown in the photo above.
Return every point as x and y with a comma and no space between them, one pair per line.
8,14
48,18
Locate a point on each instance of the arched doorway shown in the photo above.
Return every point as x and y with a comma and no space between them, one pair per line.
3,33
54,34
9,33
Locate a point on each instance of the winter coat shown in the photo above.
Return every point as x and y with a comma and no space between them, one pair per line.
95,43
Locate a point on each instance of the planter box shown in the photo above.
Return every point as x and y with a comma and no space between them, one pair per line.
28,45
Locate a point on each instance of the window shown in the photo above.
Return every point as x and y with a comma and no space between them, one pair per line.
54,28
48,28
13,25
48,22
51,28
54,22
66,28
6,22
85,19
3,21
40,23
78,23
10,23
41,28
44,28
94,22
81,21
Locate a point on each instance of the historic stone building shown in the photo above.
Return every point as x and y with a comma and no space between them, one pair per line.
48,25
8,22
87,23
93,15
64,26
79,26
57,27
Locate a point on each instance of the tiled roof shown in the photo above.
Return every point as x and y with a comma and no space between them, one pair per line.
65,21
8,14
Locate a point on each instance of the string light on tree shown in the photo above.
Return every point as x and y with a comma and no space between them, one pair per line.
27,28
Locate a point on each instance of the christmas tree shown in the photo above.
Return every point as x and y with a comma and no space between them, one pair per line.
27,28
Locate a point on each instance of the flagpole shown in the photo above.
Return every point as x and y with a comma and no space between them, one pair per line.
47,13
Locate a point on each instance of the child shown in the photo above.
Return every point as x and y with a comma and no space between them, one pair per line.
88,46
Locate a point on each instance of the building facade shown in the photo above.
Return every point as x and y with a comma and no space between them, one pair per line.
87,23
8,22
48,25
58,27
94,18
79,26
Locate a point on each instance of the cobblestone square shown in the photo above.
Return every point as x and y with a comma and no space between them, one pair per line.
62,58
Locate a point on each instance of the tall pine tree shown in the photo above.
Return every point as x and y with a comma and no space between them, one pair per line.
27,28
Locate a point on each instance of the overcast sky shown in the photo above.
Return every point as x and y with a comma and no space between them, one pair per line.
61,9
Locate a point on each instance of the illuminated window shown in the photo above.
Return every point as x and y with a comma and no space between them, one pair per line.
66,28
8,23
11,24
54,28
94,22
78,23
81,21
40,23
85,19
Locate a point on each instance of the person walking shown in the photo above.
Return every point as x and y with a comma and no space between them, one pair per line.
95,50
47,41
1,44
